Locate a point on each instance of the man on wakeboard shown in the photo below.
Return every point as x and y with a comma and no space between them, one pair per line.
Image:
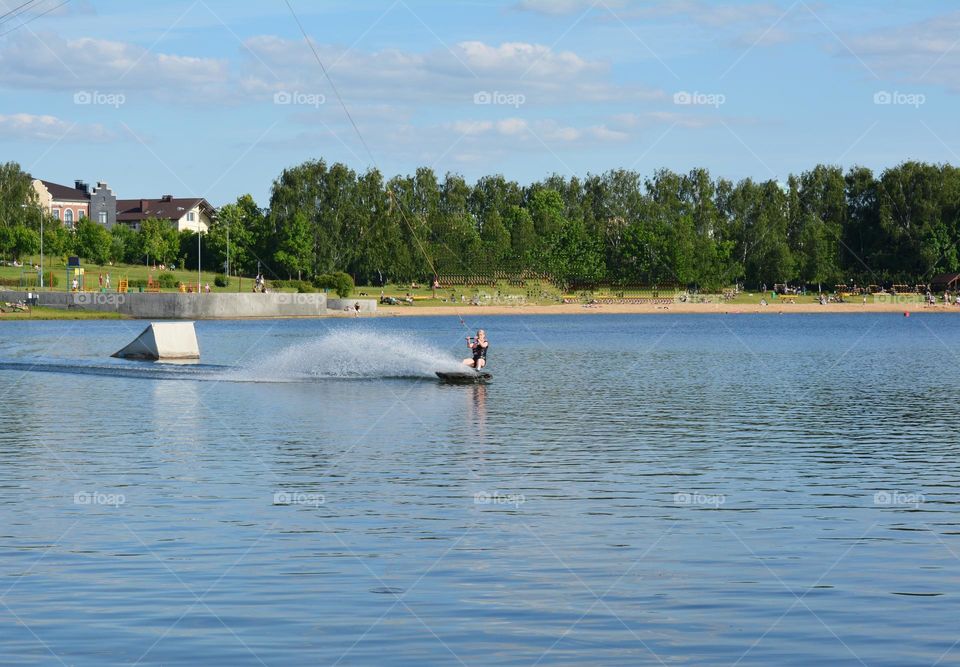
478,345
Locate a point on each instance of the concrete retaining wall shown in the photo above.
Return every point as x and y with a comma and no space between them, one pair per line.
176,306
340,305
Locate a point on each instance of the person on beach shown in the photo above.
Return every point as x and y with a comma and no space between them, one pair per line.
479,346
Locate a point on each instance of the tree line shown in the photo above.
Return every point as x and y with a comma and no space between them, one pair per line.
823,226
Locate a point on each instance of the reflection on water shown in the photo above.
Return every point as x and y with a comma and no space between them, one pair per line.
628,490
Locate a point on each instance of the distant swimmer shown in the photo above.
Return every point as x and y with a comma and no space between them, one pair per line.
479,346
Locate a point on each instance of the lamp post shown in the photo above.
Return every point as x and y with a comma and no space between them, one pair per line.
40,213
198,257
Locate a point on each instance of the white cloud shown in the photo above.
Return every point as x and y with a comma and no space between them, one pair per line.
24,126
728,14
746,23
700,11
268,64
523,58
561,7
764,36
546,130
471,127
511,126
541,74
925,52
684,120
47,61
604,133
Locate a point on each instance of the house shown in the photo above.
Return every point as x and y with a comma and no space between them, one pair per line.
70,204
945,282
193,213
103,205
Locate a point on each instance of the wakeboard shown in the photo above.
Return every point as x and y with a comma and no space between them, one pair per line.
465,376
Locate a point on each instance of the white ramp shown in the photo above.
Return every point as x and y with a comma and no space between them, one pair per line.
163,340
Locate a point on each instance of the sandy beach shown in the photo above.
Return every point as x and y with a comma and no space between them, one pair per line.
655,309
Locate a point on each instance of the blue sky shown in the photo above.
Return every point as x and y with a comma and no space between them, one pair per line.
214,98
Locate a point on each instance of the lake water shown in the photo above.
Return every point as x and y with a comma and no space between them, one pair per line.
629,490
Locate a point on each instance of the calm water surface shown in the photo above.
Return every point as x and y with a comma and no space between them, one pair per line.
702,490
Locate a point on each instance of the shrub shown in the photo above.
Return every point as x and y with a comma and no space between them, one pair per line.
302,286
344,284
167,280
221,281
339,282
324,281
31,280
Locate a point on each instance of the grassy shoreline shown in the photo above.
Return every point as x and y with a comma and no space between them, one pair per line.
670,309
44,313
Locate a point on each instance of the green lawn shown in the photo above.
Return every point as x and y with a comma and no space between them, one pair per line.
533,292
130,271
542,293
43,313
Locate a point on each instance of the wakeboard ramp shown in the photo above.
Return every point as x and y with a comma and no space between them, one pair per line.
163,340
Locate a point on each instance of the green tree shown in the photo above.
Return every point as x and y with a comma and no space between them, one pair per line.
574,257
381,254
124,244
523,237
57,241
234,231
862,247
294,254
821,211
495,239
159,241
23,241
546,211
18,200
93,241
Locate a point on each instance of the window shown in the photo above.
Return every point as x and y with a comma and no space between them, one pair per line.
81,214
56,213
68,216
102,217
190,216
